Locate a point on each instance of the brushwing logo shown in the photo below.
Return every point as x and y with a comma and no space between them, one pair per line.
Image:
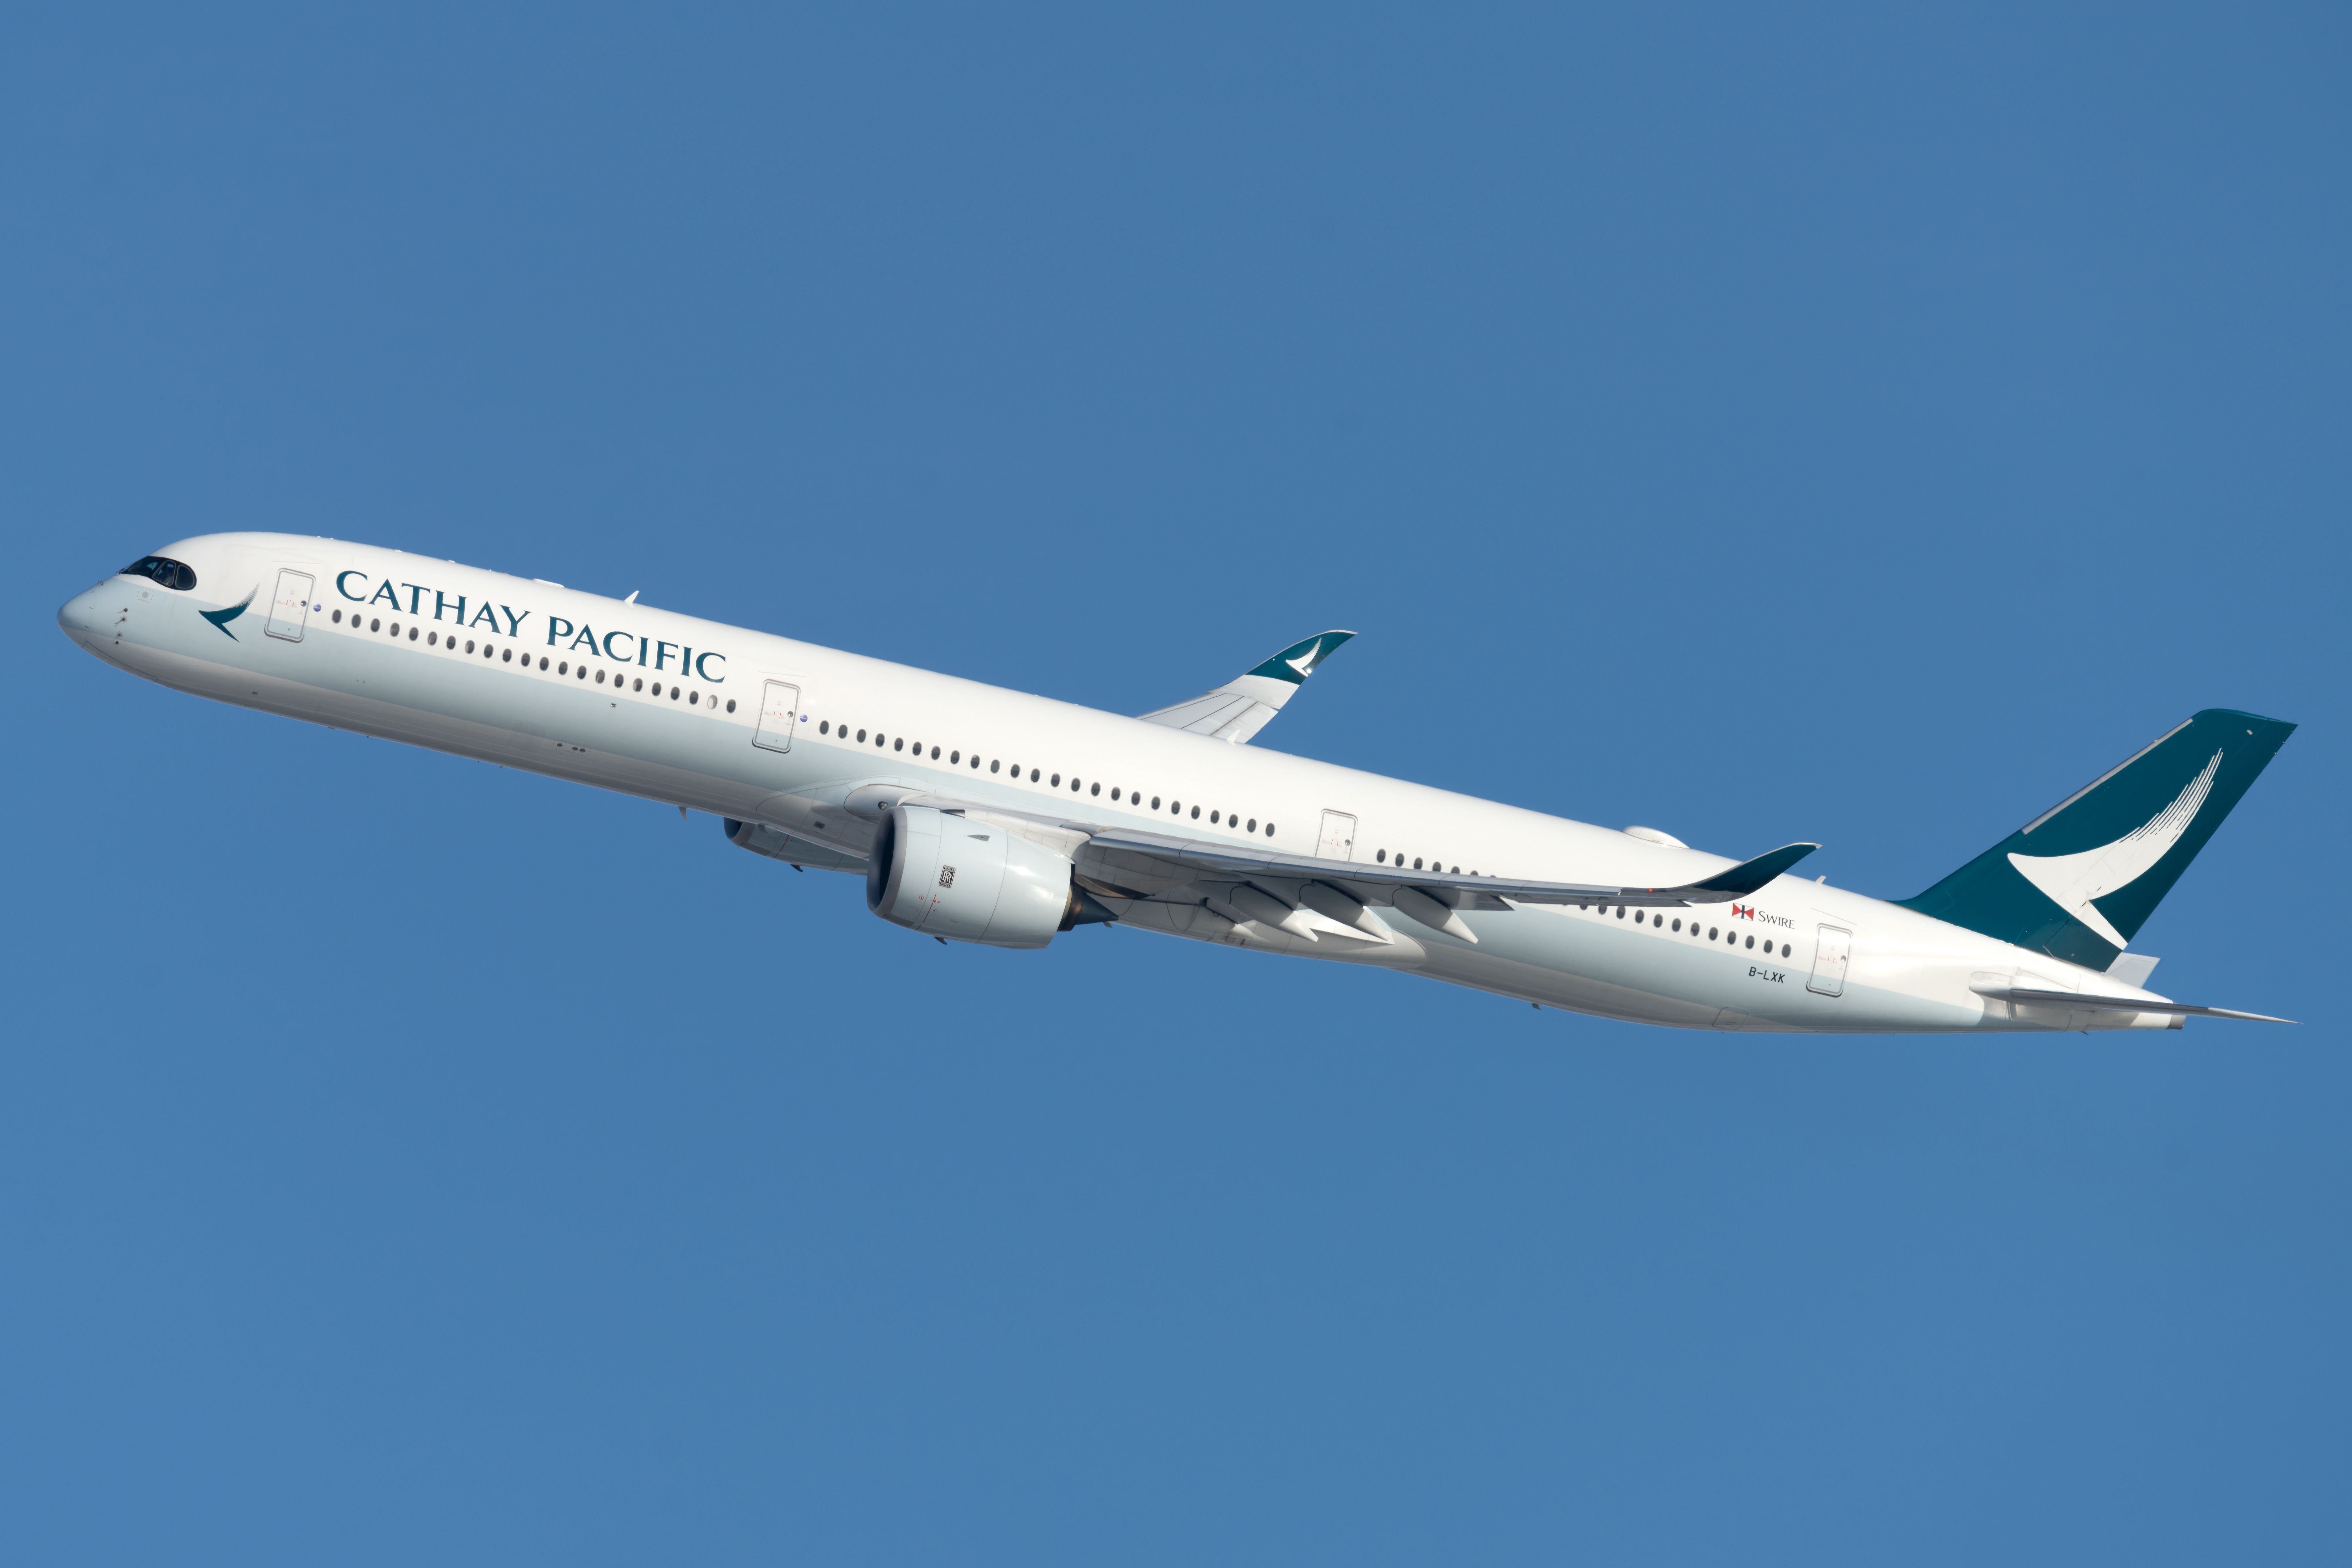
1305,663
2072,882
221,618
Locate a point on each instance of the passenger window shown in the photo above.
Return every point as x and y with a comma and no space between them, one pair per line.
1097,790
564,670
506,656
1196,814
1382,858
954,757
1033,775
542,661
861,737
1155,803
1416,862
1710,933
338,617
730,705
1269,830
992,767
395,629
376,625
901,745
692,698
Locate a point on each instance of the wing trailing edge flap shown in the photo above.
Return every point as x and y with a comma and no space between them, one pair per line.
1239,708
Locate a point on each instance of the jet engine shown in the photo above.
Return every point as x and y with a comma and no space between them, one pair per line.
971,881
797,853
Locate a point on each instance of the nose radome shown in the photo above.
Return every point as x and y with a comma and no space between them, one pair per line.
78,617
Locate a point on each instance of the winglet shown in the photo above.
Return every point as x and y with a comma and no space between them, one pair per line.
1739,881
1240,708
1297,662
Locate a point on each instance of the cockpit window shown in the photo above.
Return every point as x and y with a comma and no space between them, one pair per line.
164,570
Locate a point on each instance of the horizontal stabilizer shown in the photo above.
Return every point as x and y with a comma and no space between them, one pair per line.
2075,1001
1239,708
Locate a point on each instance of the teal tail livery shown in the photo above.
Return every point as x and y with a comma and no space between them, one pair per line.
967,812
2078,881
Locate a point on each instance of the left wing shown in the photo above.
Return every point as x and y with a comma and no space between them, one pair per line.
1240,707
1277,889
1168,859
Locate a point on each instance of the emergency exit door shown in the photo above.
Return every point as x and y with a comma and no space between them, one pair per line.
1338,840
289,611
779,711
1830,955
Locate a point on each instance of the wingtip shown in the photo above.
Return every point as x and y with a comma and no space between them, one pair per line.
1303,658
1750,875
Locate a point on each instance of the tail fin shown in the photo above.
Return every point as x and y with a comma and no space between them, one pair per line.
2078,881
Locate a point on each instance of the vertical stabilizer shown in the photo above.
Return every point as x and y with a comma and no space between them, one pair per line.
2078,881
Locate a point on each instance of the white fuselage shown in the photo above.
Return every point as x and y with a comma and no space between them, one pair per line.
626,697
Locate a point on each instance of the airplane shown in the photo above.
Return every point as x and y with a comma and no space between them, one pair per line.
974,814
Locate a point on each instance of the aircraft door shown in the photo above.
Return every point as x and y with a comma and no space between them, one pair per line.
779,712
289,611
1339,841
1830,955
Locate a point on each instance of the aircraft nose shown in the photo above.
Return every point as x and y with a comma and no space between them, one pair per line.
81,615
78,616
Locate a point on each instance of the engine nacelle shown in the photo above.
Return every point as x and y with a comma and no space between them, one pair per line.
777,845
971,881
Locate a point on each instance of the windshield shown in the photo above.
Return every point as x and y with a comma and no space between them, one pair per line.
164,570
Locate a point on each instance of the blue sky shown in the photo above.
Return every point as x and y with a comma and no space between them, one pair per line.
1857,424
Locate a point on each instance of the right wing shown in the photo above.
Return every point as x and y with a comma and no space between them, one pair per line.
1240,707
